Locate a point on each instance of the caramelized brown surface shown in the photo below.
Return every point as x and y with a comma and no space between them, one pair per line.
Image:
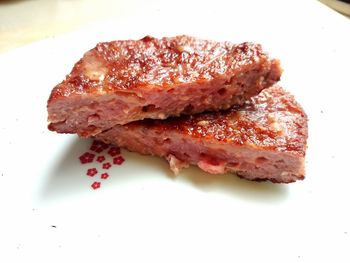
155,64
272,120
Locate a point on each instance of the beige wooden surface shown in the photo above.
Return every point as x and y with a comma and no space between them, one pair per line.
26,21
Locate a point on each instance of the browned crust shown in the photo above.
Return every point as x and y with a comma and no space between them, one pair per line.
273,120
152,63
265,139
123,81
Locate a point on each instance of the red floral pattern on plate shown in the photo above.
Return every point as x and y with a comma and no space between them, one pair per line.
104,176
113,151
106,165
98,146
118,160
91,172
101,159
96,185
87,158
112,156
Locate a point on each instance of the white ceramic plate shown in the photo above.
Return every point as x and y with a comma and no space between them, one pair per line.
142,213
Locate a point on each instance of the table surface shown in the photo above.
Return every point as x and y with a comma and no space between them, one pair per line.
23,22
26,21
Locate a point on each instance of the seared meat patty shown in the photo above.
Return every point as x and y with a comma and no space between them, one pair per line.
264,139
123,81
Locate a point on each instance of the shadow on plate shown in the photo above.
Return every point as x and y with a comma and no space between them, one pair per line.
68,177
232,185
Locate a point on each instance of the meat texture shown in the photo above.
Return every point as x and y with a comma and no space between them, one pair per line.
265,139
122,81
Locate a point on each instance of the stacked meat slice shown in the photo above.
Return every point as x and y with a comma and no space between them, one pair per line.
249,126
123,81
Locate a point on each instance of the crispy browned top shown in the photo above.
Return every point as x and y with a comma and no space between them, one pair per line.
155,63
272,120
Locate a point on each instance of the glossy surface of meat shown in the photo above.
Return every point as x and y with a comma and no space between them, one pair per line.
271,120
155,63
265,139
122,81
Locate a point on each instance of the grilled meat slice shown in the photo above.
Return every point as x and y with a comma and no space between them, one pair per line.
265,139
122,81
